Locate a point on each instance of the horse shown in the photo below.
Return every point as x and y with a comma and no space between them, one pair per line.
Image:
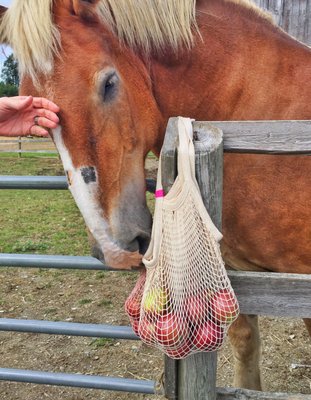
119,69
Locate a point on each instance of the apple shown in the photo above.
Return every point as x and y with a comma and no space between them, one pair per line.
196,308
208,336
133,303
156,301
224,307
147,331
135,325
171,330
182,351
132,307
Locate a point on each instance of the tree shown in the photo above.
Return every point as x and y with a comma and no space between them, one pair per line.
7,90
9,74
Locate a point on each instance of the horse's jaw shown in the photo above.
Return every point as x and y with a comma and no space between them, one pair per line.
84,187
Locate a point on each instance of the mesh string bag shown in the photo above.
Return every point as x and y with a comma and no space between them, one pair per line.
133,302
187,302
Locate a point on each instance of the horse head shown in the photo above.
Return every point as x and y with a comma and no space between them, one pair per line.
109,118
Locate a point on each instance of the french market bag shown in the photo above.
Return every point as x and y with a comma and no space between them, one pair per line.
187,302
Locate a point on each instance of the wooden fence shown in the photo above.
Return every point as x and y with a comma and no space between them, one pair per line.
22,145
270,294
294,16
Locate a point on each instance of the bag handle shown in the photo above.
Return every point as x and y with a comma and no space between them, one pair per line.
186,153
186,167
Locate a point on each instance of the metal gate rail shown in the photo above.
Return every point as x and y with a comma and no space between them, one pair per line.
64,328
78,380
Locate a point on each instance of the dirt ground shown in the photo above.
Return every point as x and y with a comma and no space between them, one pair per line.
98,297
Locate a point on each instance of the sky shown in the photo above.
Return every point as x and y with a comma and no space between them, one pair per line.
4,49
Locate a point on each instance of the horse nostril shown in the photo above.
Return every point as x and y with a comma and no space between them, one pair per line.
143,243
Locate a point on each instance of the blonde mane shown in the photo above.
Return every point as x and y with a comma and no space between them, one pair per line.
148,24
28,27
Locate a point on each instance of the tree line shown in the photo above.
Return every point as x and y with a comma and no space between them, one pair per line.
9,78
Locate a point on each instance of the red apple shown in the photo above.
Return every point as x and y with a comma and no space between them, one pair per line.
171,330
135,324
132,307
224,307
147,331
181,351
208,336
196,308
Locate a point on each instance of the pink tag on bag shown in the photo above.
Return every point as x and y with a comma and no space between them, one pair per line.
159,193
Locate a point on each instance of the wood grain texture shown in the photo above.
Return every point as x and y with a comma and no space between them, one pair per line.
274,294
294,16
282,137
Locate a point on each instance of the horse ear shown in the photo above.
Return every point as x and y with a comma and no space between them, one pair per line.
85,9
3,38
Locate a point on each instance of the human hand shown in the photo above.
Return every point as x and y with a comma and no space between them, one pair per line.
17,116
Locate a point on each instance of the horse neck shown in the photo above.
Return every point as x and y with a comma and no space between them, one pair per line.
243,68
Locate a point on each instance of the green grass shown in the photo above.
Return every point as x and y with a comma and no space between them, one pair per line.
85,301
41,221
103,342
30,166
104,303
28,155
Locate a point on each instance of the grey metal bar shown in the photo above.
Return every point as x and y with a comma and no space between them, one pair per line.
47,182
78,380
51,261
29,151
33,182
67,328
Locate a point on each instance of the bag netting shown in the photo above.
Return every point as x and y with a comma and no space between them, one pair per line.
186,299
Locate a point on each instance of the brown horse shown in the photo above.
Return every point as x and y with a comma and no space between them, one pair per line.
120,68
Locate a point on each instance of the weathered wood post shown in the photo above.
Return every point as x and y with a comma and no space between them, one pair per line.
195,377
19,146
292,15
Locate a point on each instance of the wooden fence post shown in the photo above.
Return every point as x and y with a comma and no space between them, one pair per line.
19,146
292,15
195,377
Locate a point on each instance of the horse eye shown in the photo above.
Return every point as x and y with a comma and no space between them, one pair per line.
109,87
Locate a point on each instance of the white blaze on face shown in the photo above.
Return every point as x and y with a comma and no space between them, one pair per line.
85,194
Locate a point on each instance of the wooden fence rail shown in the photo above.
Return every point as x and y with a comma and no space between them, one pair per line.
258,293
22,145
